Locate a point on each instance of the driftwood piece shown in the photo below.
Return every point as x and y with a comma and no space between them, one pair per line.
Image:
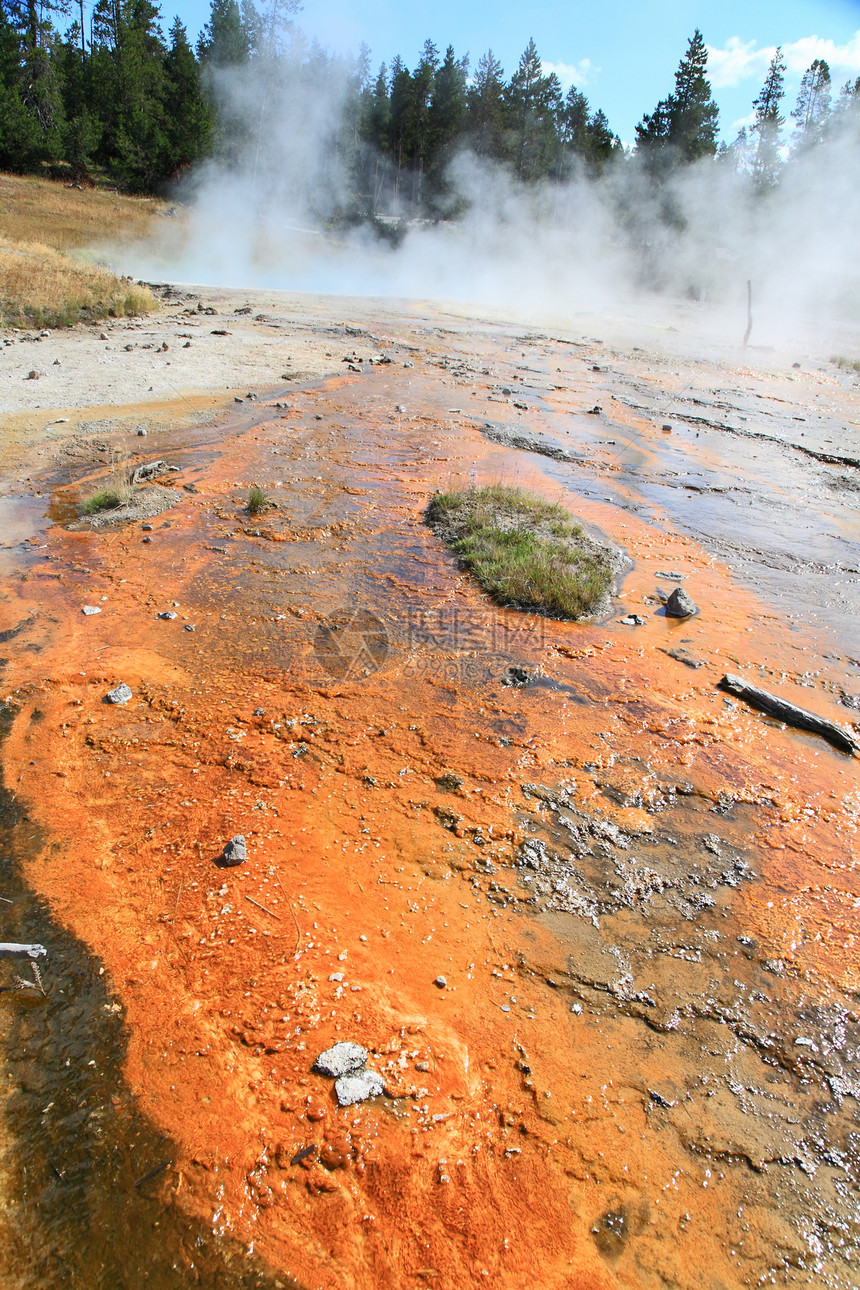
12,950
782,710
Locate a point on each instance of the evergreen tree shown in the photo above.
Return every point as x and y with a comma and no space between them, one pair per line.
187,111
813,103
768,123
82,130
486,107
533,102
31,110
224,40
683,127
586,135
446,113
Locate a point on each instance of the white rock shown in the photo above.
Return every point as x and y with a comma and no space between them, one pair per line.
350,1089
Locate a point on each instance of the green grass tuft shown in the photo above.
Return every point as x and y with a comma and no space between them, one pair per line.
258,499
107,499
847,364
524,551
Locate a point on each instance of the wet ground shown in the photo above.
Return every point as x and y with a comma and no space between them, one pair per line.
642,1067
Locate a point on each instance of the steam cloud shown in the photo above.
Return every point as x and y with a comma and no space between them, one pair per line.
264,217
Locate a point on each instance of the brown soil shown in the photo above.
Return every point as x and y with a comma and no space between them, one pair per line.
632,1076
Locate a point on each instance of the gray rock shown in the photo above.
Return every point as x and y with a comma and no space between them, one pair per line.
149,470
342,1059
441,982
90,609
350,1089
141,434
121,694
400,408
236,851
168,613
672,575
679,604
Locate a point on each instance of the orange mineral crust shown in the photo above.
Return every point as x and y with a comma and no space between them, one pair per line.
581,918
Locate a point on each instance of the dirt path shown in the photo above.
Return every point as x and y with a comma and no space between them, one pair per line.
639,1070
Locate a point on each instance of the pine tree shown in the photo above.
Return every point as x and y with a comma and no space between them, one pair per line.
446,114
31,109
533,102
82,128
187,111
486,107
768,124
813,104
224,40
683,127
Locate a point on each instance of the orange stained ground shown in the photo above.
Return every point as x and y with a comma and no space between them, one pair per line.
507,1130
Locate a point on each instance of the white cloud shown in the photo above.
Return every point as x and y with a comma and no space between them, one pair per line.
741,60
736,62
578,74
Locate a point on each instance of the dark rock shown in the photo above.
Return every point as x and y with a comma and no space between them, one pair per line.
235,852
679,604
342,1059
449,782
515,676
441,982
168,614
141,434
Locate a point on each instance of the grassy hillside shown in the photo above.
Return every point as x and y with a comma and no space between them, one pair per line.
45,226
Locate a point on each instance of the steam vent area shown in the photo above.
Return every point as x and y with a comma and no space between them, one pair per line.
397,933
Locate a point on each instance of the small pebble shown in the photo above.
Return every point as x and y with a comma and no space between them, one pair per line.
141,434
441,982
90,609
400,408
189,627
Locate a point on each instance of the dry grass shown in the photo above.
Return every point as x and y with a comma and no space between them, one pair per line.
40,287
47,212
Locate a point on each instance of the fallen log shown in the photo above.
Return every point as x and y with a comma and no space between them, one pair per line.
792,715
12,950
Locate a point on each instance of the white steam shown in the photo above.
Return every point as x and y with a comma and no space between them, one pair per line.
272,215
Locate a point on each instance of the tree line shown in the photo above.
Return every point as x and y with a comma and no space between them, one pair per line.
111,96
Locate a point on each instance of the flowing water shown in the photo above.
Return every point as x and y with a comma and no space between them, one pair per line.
641,1070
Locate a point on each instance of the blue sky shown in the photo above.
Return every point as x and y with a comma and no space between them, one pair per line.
622,54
